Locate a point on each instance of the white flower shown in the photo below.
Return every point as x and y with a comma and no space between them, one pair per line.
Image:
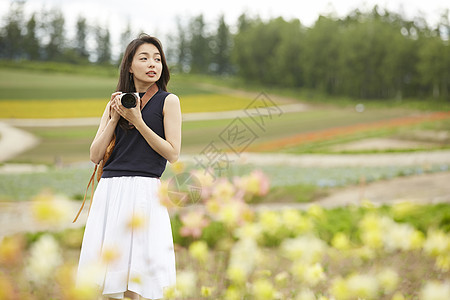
313,274
434,290
437,243
388,279
186,283
45,257
244,256
305,248
306,294
362,286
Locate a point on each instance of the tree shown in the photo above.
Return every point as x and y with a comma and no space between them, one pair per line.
12,46
81,39
221,45
55,30
103,40
199,46
31,45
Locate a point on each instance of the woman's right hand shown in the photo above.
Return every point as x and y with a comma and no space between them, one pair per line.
113,114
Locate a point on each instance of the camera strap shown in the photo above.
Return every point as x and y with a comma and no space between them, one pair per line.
149,94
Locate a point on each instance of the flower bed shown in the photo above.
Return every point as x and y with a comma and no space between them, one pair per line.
225,250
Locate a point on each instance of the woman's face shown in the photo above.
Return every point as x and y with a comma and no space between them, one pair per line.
146,66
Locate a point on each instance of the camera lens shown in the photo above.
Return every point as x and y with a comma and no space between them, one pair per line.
129,100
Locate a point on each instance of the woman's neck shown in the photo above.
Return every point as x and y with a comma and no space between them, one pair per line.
144,88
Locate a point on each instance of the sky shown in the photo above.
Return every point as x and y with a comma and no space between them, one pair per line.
158,18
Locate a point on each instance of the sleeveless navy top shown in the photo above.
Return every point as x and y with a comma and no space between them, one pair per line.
132,155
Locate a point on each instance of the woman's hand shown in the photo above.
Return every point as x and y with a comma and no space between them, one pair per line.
113,114
132,115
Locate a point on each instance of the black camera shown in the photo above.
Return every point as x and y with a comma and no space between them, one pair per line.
129,100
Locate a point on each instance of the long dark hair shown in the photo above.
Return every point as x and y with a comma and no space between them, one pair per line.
126,82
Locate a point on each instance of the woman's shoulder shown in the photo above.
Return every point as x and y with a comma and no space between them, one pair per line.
171,98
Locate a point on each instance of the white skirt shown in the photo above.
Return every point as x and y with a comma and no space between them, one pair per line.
128,239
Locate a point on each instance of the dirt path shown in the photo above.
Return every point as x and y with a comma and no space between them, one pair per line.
423,189
14,141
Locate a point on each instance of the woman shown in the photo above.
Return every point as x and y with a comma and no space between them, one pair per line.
128,232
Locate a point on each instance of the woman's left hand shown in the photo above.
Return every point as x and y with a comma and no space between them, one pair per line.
132,115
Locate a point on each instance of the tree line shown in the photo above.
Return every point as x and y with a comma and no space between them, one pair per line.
374,54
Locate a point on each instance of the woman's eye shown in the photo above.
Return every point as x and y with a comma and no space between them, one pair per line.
143,58
158,59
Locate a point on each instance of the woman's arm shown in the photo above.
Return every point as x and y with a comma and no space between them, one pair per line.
168,148
105,132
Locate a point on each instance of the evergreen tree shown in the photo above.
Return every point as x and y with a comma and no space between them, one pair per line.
12,35
103,40
31,45
81,39
221,48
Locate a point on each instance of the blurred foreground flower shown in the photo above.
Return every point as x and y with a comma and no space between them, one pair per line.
255,184
193,223
178,167
382,232
243,259
45,257
11,250
434,290
50,209
186,283
309,249
199,251
263,289
7,290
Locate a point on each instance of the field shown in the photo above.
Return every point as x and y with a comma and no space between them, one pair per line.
226,246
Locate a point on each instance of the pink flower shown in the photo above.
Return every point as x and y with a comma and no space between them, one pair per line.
193,223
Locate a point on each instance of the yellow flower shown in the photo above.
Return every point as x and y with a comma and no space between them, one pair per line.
281,279
178,167
233,293
51,210
236,274
206,291
163,195
136,222
340,241
295,222
263,289
417,239
213,206
388,280
248,231
313,274
6,288
199,251
435,290
109,255
230,213
443,262
171,292
339,289
11,250
270,221
316,211
403,209
223,190
437,243
205,178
